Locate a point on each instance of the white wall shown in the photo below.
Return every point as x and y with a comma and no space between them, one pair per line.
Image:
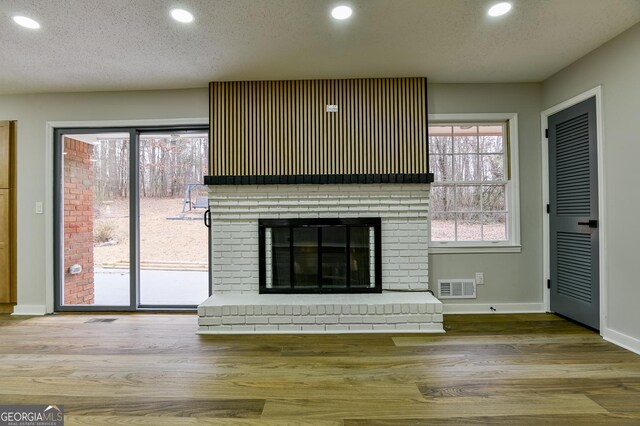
513,281
615,66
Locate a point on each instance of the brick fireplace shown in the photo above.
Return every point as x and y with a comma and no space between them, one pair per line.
279,158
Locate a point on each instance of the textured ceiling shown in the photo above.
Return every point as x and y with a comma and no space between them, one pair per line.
88,45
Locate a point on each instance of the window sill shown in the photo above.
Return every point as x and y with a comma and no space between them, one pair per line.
460,249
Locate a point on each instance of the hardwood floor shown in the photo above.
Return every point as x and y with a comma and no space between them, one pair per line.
154,370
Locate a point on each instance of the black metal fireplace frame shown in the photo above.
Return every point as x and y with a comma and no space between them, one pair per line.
375,223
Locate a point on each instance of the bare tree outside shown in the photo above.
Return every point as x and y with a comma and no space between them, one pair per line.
468,199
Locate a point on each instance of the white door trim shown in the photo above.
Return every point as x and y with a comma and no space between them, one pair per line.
546,272
51,125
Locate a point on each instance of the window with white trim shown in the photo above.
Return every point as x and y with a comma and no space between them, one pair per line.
474,194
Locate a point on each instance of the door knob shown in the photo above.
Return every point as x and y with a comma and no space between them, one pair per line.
591,224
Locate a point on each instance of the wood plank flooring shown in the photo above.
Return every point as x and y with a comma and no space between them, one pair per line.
154,370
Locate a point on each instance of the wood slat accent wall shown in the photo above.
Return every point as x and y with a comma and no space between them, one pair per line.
282,128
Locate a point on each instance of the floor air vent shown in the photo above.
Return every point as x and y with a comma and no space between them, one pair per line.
457,289
101,320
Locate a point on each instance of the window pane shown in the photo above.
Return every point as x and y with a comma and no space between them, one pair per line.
281,254
468,198
440,140
305,257
442,198
493,198
469,227
465,167
495,226
492,167
441,166
465,139
443,227
360,257
492,143
334,256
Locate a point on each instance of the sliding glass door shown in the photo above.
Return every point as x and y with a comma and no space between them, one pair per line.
173,240
128,219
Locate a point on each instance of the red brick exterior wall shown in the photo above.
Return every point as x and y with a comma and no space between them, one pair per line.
78,221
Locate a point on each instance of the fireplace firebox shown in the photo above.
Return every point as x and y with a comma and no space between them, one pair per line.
320,255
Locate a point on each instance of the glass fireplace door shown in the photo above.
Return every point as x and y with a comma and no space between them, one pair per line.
320,256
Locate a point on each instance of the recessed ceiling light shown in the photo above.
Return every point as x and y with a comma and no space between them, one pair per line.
341,12
182,15
26,22
499,9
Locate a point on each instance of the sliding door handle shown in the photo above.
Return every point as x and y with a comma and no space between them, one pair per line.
207,218
590,224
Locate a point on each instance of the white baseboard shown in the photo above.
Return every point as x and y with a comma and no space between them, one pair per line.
492,308
29,310
630,343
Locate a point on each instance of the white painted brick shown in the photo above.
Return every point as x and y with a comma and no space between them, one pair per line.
242,328
226,310
431,308
438,308
270,310
329,309
363,309
355,319
255,319
288,310
321,309
396,319
296,310
388,309
407,326
290,327
374,319
304,310
337,309
279,320
308,319
336,327
405,308
266,327
203,328
210,321
313,328
328,319
354,309
233,320
242,310
280,310
418,318
360,327
437,318
413,308
249,310
371,309
397,308
384,327
313,309
422,308
201,310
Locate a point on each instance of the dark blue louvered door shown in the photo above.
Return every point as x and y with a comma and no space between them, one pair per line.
573,215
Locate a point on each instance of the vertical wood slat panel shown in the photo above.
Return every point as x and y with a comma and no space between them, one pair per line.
270,128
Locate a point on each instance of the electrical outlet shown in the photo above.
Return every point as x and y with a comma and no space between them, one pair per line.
479,277
39,207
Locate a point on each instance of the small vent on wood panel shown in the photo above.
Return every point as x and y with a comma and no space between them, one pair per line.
457,289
